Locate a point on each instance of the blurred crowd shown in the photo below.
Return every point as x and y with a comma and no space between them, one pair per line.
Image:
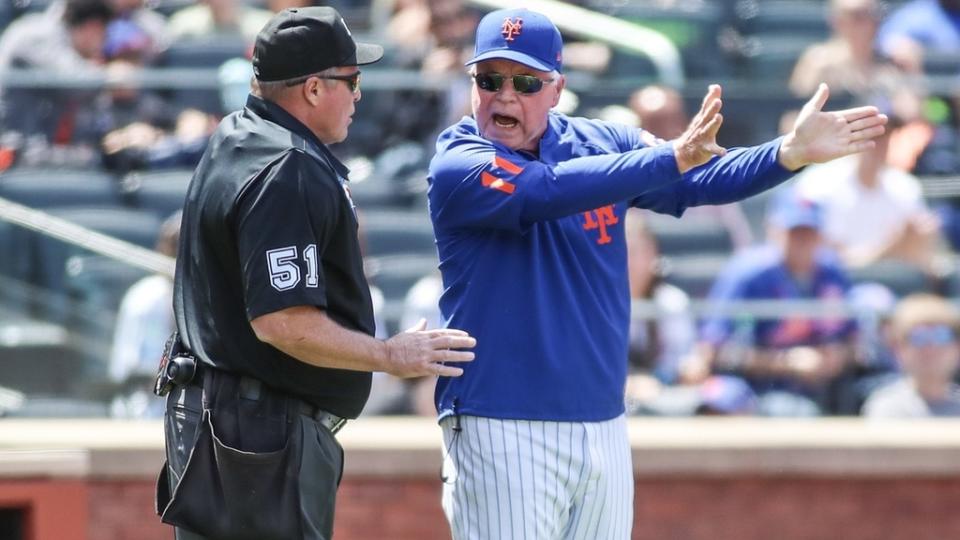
843,237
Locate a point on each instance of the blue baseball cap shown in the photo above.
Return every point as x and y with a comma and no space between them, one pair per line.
519,35
790,210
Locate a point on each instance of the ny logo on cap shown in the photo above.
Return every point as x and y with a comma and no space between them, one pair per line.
511,28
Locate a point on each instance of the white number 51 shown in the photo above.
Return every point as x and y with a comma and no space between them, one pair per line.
284,272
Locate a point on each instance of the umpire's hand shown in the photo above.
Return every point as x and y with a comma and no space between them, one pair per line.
419,352
820,136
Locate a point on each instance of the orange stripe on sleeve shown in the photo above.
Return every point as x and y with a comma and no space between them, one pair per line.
502,163
499,184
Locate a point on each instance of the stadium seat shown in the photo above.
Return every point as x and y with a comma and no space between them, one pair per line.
95,286
941,63
51,256
37,357
374,192
42,369
692,26
694,274
15,257
689,236
804,18
388,232
7,14
31,6
45,188
80,291
161,192
61,407
202,53
100,282
394,178
395,274
773,55
755,209
140,228
169,7
208,52
899,277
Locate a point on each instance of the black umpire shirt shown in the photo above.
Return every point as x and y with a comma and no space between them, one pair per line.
268,224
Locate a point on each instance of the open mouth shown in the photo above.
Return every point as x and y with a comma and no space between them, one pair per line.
504,121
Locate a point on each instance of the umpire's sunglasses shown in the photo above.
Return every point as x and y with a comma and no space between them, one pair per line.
523,84
352,80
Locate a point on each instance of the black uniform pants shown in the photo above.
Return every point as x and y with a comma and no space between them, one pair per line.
244,463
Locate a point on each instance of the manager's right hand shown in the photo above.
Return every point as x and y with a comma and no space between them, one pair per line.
698,144
419,352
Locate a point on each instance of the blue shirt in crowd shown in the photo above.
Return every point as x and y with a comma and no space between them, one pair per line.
760,274
923,21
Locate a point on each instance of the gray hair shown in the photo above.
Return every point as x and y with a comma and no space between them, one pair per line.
274,90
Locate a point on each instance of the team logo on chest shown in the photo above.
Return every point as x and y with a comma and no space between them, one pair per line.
600,218
511,28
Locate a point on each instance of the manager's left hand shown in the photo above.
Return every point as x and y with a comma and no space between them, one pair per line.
819,136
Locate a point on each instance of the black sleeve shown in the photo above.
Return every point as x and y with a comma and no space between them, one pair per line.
284,220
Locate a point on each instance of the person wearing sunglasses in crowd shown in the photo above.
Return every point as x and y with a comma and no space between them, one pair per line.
528,208
927,347
272,308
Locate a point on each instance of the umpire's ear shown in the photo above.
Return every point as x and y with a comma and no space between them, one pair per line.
312,89
558,89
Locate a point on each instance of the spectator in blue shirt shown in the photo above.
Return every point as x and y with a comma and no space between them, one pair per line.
920,26
790,360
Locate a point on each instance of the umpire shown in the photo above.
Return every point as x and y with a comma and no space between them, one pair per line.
272,307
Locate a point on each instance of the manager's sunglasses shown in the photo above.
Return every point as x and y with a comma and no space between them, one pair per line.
352,80
523,84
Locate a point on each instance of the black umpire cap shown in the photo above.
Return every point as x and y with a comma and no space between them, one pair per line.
301,41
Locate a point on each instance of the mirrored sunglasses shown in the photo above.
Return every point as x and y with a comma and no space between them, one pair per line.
522,84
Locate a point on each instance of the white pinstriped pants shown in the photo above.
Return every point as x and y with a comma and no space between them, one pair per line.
534,480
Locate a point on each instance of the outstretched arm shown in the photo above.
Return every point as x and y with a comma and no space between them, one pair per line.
475,183
819,136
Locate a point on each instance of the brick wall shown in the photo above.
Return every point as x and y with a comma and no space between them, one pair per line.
670,508
716,479
797,509
390,508
123,510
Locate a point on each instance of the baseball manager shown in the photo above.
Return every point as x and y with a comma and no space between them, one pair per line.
528,208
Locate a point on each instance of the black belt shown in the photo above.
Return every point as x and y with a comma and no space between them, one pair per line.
324,418
250,388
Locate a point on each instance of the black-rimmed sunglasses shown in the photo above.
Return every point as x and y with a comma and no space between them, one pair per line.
523,84
352,80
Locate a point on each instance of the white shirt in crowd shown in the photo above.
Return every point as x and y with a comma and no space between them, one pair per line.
144,322
856,217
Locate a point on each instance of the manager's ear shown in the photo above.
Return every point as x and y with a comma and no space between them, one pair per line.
558,88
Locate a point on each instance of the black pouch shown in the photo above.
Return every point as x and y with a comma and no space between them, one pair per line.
230,494
177,366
